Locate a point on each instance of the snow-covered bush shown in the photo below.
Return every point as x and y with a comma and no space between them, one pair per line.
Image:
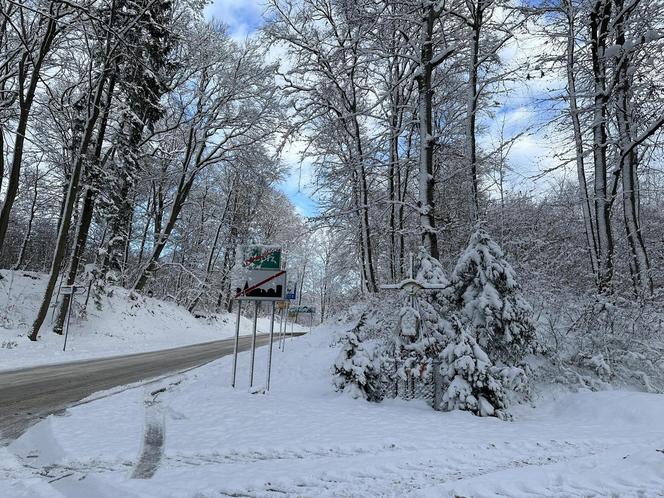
356,370
435,307
490,300
429,269
415,347
470,381
399,339
599,342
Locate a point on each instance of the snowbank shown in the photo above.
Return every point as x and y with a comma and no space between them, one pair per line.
304,439
123,325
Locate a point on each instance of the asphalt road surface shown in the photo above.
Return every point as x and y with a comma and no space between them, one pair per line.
30,394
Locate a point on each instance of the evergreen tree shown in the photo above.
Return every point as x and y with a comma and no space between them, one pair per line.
434,306
486,291
356,369
429,269
415,346
471,382
143,70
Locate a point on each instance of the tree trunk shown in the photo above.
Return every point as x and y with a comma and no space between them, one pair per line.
146,228
82,230
28,228
72,192
639,261
599,27
425,97
393,190
471,111
363,192
591,240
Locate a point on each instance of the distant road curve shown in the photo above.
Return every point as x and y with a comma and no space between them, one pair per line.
30,394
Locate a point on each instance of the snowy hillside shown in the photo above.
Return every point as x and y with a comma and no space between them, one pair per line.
123,325
303,439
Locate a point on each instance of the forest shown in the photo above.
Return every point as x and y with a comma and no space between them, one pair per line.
141,144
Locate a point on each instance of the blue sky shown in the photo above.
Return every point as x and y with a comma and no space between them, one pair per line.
243,18
529,155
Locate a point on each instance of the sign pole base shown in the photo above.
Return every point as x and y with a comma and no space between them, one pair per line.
281,328
269,357
237,340
253,346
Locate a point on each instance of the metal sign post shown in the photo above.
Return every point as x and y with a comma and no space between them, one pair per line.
282,328
269,357
237,339
281,306
253,346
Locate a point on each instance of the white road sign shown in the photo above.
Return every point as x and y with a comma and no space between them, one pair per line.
261,285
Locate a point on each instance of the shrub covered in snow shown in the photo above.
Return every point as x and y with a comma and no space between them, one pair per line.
415,347
476,327
356,369
435,307
471,382
598,342
429,269
490,300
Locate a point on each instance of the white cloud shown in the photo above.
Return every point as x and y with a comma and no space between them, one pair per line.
243,17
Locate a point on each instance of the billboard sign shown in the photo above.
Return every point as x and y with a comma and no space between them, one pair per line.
258,257
261,285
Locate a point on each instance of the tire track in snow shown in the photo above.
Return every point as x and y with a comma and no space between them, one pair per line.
153,439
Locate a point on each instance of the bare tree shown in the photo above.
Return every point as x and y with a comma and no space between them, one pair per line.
34,32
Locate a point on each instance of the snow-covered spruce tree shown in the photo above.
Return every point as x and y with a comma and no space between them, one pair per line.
471,383
486,292
144,69
414,349
357,367
435,307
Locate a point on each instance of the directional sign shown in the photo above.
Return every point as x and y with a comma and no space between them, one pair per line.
301,310
258,257
291,290
70,289
282,305
261,285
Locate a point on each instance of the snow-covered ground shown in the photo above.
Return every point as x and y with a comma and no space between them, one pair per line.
303,439
123,326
